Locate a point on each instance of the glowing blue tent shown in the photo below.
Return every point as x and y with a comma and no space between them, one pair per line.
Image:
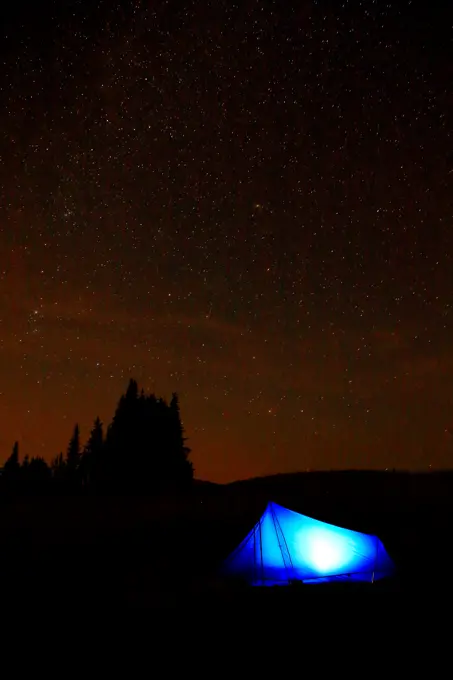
284,547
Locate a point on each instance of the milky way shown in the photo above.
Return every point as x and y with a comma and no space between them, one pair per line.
247,203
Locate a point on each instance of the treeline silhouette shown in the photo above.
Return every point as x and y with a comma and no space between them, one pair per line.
142,451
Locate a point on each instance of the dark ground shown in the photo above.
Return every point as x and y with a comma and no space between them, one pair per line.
163,554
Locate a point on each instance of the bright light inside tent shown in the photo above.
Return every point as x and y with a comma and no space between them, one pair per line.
323,551
324,554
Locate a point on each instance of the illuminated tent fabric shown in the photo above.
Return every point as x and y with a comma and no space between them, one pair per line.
284,547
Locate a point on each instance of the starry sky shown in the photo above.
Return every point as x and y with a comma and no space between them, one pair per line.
249,203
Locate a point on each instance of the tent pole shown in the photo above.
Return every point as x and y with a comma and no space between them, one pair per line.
261,556
278,528
255,574
375,559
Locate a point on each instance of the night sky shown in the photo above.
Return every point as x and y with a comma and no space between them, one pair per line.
244,202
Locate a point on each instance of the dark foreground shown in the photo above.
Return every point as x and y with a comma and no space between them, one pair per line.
163,555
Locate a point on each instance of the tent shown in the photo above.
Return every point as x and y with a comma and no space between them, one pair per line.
284,547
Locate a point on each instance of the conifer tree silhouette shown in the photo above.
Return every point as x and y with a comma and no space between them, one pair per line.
11,473
145,443
24,475
38,475
91,460
179,451
144,450
58,468
72,471
120,440
12,462
73,452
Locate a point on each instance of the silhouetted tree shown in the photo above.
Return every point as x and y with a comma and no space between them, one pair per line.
144,450
179,452
33,476
73,456
12,463
73,451
38,469
92,456
121,440
145,443
11,471
58,467
36,475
